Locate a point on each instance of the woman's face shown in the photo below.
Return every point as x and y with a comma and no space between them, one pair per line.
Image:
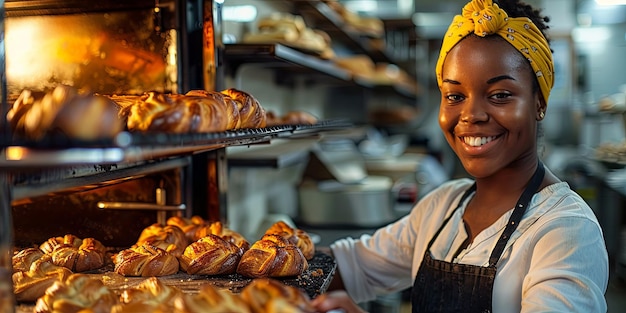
488,110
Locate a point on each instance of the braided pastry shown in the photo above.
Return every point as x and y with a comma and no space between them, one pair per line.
175,113
297,236
272,256
211,300
211,255
78,255
268,295
145,261
196,228
78,293
22,260
218,229
151,295
251,112
169,238
232,110
189,226
64,110
31,284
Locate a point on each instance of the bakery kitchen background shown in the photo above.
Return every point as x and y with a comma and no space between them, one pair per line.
167,121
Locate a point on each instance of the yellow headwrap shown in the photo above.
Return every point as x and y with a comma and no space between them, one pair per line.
483,17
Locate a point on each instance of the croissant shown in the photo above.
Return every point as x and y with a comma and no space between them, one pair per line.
32,284
266,295
297,236
232,110
272,256
176,114
145,261
78,255
169,238
151,295
211,300
78,293
251,112
22,260
211,255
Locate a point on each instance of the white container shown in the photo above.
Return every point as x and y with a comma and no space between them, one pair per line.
330,203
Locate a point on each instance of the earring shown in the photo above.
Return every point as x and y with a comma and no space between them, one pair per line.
541,115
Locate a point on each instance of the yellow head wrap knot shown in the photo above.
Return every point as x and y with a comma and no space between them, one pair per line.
483,18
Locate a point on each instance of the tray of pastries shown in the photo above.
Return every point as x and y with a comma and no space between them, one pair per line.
184,262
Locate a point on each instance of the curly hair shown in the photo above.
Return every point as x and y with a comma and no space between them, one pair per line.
517,8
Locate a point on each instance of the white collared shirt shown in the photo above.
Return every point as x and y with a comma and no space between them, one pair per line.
555,261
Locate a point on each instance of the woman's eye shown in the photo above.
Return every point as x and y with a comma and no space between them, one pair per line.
500,95
454,98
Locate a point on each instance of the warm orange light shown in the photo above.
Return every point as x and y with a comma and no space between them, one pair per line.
15,153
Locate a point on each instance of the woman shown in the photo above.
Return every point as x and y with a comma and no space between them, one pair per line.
513,239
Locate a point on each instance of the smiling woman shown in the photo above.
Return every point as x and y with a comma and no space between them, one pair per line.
514,238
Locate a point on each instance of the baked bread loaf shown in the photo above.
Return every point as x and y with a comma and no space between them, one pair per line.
145,261
211,255
232,110
168,238
78,255
251,112
268,295
174,113
31,284
78,293
272,256
64,110
209,299
151,295
296,236
23,259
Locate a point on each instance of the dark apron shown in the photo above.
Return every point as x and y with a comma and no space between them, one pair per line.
451,287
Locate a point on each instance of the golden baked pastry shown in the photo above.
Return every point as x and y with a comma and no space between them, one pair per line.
78,293
251,112
22,260
176,113
168,238
78,255
297,236
291,30
218,229
269,295
64,110
31,284
189,226
151,295
211,255
272,256
145,261
232,110
211,300
290,118
369,26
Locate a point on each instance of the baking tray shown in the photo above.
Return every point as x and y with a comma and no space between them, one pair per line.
314,281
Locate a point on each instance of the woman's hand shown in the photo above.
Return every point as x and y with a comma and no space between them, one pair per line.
336,300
